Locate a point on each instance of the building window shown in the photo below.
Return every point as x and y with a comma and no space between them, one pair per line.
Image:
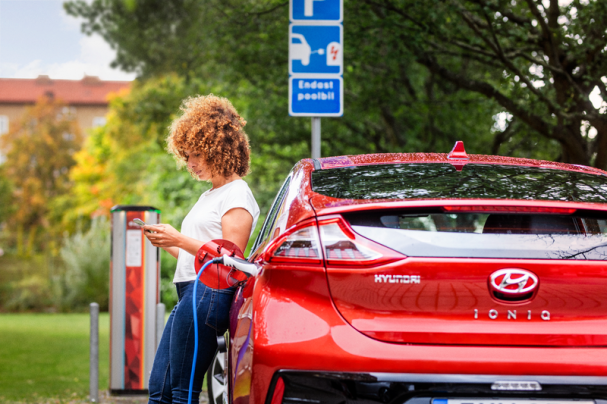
3,124
67,112
3,130
99,121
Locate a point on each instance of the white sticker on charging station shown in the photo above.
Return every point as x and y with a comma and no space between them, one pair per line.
133,248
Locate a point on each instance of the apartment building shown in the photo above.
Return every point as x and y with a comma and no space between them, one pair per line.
87,99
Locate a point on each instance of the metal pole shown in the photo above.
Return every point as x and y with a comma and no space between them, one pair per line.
160,310
315,137
94,354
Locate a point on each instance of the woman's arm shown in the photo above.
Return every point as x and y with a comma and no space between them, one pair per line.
174,251
169,239
235,224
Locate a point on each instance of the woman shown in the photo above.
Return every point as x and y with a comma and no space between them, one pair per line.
209,138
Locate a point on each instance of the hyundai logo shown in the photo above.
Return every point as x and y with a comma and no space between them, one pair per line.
513,282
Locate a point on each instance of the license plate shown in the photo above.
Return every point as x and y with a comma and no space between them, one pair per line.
505,401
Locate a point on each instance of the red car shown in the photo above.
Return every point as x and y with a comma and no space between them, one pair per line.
425,278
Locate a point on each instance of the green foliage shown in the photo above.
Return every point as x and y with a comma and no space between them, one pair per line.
39,153
42,282
391,102
26,283
418,74
168,293
6,197
125,161
86,264
539,61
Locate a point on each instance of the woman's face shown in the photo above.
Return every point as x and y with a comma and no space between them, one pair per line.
197,166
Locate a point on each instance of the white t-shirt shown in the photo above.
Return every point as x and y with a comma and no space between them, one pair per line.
203,222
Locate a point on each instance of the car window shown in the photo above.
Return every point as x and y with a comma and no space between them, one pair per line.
479,181
271,217
295,40
582,235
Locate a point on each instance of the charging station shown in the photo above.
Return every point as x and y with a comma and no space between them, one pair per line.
134,294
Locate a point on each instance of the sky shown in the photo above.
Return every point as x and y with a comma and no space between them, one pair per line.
38,37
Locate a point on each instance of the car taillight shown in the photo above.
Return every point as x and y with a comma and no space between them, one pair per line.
342,246
301,244
338,244
510,209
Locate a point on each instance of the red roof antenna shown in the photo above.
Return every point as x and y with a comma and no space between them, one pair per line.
458,157
458,152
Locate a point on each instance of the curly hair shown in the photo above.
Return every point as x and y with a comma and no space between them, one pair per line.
211,126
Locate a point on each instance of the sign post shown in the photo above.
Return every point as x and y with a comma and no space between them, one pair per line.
315,137
316,38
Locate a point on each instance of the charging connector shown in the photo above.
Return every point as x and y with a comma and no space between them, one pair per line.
244,266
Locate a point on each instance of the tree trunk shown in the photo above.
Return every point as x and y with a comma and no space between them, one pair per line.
601,143
573,145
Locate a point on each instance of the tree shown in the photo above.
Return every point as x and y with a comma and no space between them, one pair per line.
392,103
39,154
6,196
539,60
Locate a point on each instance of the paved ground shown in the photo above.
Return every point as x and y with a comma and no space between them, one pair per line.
105,398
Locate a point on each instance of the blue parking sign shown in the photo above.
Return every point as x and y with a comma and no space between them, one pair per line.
312,96
315,49
316,10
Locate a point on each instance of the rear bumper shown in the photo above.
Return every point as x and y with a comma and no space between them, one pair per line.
327,387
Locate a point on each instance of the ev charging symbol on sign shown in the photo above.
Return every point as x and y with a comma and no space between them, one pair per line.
315,49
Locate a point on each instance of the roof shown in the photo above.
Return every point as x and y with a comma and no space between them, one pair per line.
88,91
457,157
326,205
303,203
395,158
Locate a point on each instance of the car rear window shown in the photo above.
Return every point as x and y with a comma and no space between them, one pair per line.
486,235
436,180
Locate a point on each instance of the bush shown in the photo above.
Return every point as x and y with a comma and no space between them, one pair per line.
25,283
168,293
86,258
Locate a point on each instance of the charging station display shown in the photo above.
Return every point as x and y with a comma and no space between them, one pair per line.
134,294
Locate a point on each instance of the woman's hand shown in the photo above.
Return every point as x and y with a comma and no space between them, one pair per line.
162,235
168,238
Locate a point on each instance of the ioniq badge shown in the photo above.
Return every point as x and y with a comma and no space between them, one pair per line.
513,282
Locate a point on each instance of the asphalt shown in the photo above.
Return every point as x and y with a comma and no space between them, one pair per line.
105,398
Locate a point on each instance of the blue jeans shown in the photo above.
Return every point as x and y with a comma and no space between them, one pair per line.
170,378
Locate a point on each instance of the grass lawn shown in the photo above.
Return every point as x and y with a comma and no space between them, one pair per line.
44,356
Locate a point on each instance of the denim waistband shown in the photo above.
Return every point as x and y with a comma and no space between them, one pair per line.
181,286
